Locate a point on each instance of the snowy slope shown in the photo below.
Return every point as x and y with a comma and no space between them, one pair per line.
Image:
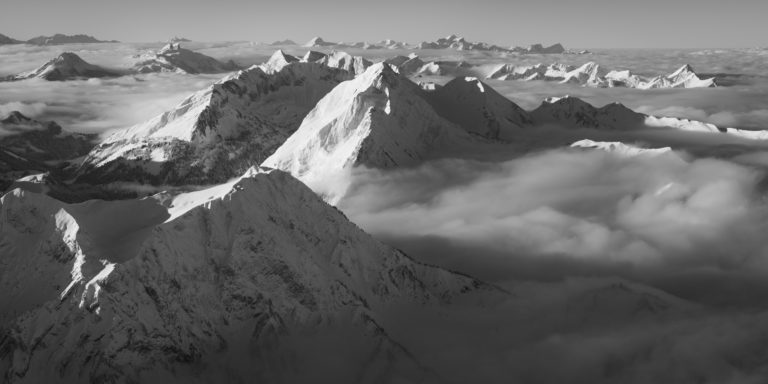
380,119
233,277
173,58
216,133
67,66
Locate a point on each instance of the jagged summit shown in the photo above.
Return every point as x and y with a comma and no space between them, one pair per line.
66,66
173,58
342,60
277,61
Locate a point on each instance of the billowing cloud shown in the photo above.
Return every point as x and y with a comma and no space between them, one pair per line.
569,212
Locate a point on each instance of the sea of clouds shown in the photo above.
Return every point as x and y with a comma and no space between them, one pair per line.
678,240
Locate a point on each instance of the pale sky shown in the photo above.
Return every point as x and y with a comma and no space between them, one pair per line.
582,23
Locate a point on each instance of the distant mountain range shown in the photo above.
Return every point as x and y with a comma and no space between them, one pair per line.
56,39
593,75
280,113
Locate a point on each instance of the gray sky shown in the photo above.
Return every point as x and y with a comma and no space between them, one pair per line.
583,23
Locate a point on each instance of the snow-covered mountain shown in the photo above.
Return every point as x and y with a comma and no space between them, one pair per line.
380,119
591,74
59,39
173,58
239,277
318,41
219,132
67,66
4,40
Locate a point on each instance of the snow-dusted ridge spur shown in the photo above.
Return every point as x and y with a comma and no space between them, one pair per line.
155,292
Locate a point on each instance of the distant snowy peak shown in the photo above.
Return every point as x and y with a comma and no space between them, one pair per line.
318,42
620,148
173,58
277,61
66,66
217,132
59,39
593,75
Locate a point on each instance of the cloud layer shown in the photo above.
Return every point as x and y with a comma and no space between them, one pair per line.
565,212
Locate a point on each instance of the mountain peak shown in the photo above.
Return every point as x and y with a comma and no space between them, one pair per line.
277,61
66,66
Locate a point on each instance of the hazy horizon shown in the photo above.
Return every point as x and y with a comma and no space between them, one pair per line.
612,24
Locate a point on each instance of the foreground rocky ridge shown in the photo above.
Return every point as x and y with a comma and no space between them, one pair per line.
183,279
